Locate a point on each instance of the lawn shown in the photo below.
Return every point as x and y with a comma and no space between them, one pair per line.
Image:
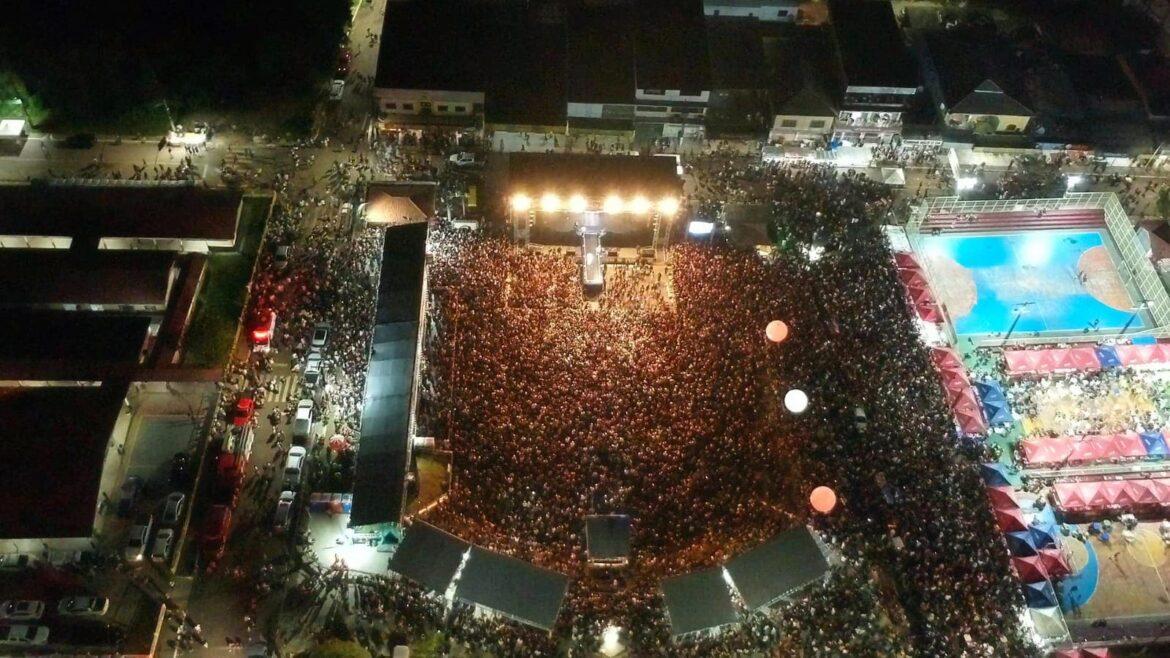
221,301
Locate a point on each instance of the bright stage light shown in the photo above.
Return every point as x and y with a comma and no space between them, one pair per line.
550,202
521,202
965,183
577,203
1074,180
640,205
613,204
668,205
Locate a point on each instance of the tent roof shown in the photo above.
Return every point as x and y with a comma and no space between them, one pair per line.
429,556
775,568
512,587
698,601
607,536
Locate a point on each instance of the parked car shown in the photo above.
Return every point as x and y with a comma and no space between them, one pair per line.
280,257
462,159
343,60
293,466
320,337
24,634
336,90
83,606
261,330
137,539
21,610
15,562
181,471
314,373
173,508
303,420
284,511
164,543
131,489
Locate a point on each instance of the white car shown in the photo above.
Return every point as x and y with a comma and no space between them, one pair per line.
164,543
293,466
136,541
303,421
173,508
284,511
336,89
21,610
320,336
462,159
83,606
24,634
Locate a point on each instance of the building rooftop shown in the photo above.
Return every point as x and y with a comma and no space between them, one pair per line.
671,46
989,98
601,54
873,53
52,446
76,338
40,277
444,45
119,211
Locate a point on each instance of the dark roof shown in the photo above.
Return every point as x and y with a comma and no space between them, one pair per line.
512,587
1151,74
737,54
122,211
870,42
31,277
512,52
671,46
698,601
989,98
73,338
382,454
593,175
607,536
429,556
777,567
601,54
52,446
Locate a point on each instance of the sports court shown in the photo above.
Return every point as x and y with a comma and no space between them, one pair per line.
1119,579
1048,281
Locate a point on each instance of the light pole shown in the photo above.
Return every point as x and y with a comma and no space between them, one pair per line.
1133,316
1019,308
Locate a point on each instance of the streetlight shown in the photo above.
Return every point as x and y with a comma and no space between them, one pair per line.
1019,312
1133,316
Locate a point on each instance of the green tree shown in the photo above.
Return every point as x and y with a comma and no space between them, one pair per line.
1164,203
337,648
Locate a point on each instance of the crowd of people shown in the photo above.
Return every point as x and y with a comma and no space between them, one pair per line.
662,401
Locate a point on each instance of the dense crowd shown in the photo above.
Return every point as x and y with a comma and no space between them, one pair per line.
662,401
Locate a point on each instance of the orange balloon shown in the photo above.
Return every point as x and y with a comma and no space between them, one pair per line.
823,499
776,331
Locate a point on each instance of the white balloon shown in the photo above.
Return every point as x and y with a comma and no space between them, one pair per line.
796,401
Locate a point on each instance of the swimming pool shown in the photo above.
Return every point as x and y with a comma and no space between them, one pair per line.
1051,281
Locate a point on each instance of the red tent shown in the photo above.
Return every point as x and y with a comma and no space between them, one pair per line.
1094,652
1069,496
1045,451
1161,353
1129,444
1105,492
1062,358
1018,362
1144,492
1054,562
1084,359
945,358
1010,520
1030,569
905,259
1124,496
1002,497
1137,355
1087,449
968,414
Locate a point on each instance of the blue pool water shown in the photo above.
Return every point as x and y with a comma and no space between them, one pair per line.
1034,275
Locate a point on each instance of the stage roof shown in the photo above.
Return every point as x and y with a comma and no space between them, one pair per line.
774,569
698,601
429,556
512,587
119,212
607,536
593,175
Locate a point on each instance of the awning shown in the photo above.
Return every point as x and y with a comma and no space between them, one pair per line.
776,568
429,556
511,587
698,601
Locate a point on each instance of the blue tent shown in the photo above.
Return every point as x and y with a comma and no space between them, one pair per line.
1107,356
995,404
1040,595
994,474
1144,340
1042,536
1155,444
1021,543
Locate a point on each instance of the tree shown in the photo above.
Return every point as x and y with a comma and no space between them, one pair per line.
1164,203
337,648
